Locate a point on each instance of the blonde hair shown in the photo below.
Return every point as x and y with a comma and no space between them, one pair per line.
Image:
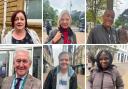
60,16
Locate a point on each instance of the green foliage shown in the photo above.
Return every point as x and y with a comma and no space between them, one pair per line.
49,12
122,19
76,17
94,8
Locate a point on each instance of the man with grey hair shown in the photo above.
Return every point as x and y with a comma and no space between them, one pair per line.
21,79
62,76
104,33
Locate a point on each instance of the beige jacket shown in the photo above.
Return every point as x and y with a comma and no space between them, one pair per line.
31,83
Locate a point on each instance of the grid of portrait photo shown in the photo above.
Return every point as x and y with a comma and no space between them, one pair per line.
63,44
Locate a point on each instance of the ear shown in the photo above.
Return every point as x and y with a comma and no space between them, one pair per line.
30,62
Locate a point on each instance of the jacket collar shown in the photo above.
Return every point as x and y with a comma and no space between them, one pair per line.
70,71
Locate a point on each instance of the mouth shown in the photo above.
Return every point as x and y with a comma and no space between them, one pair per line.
19,25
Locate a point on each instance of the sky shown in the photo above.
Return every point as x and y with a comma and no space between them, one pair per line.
56,50
120,6
65,4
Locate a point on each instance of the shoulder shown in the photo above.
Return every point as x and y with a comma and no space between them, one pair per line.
31,31
9,33
115,70
8,79
35,80
98,27
54,31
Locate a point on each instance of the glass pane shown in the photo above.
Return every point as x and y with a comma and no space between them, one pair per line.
34,9
37,56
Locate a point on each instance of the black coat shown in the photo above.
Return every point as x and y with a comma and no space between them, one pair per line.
50,82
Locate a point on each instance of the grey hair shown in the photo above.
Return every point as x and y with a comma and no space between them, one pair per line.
62,53
22,50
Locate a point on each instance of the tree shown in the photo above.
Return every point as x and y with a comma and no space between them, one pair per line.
94,9
122,19
49,12
76,16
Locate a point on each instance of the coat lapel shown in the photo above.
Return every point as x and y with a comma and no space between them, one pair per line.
28,84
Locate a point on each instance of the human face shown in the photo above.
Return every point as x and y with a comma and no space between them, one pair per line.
108,18
64,62
65,21
21,63
104,60
19,23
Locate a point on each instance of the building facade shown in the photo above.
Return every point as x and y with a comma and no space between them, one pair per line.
47,58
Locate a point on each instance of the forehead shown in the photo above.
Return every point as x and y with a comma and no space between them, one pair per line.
22,54
64,56
20,14
109,12
65,15
103,54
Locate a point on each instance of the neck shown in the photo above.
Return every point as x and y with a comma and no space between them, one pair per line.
20,76
64,71
19,31
107,27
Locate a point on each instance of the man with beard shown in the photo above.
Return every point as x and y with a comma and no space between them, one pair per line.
104,34
106,75
62,76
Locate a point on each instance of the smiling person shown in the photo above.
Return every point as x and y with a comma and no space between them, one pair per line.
106,75
104,34
62,76
21,79
64,33
20,34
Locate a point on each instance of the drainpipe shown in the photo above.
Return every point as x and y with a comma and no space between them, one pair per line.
4,20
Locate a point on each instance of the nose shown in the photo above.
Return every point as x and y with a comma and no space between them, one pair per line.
19,20
21,64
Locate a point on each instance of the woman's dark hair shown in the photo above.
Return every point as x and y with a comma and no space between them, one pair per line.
110,59
14,16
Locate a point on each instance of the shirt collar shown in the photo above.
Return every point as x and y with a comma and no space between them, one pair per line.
23,77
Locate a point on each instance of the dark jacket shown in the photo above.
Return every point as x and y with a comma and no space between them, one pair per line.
100,35
51,80
71,36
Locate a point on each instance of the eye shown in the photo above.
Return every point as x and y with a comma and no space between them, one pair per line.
18,60
25,61
16,19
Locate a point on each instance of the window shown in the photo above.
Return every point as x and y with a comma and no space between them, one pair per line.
33,9
37,60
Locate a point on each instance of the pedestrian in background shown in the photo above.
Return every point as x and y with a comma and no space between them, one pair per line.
48,27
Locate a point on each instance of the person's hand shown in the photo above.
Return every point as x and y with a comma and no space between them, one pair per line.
57,37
